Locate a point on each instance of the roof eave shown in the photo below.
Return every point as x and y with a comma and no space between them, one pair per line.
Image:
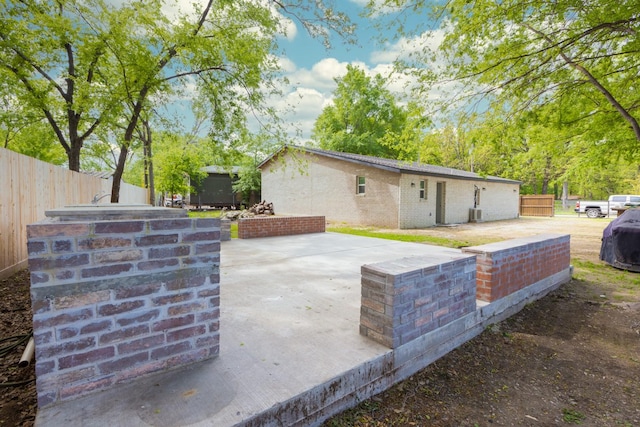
337,156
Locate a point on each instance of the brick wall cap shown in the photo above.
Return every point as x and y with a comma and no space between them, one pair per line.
514,243
408,264
113,211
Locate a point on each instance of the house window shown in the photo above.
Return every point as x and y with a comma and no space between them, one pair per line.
360,185
423,189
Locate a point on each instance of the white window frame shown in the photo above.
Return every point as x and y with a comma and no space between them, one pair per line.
422,186
360,184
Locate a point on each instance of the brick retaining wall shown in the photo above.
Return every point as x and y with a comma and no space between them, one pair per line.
508,266
406,298
269,226
116,299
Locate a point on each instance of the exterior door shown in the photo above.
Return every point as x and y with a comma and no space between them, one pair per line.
441,192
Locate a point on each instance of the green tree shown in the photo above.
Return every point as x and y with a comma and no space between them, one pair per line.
520,56
33,139
51,59
80,65
253,149
363,113
406,144
24,131
179,164
544,149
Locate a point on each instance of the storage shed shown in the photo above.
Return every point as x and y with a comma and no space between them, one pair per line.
366,190
216,189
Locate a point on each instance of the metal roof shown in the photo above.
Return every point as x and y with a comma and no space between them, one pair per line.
221,169
399,166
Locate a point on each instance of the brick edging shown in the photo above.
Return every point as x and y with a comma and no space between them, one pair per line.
270,226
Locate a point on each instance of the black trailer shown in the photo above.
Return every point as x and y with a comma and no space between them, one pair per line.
216,190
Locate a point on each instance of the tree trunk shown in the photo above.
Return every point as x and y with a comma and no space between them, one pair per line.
545,185
149,181
73,155
546,177
565,194
117,175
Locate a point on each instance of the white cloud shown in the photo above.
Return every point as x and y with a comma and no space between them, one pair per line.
306,104
322,74
290,28
311,90
405,47
286,65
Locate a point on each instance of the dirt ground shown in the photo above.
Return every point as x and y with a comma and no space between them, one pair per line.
570,358
17,398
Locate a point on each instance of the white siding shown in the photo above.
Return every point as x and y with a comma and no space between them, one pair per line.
414,211
499,201
309,184
318,185
459,198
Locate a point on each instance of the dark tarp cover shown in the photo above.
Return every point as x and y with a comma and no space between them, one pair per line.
621,241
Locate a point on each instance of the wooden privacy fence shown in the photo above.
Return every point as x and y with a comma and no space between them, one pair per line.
29,187
537,205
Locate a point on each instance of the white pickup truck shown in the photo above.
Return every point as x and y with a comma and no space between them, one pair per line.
596,209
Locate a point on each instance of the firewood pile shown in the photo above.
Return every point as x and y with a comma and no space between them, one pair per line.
262,208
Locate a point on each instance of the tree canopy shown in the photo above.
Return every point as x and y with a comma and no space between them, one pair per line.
526,54
559,78
364,118
83,65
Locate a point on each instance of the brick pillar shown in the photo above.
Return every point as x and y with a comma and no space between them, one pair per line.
120,292
225,230
409,297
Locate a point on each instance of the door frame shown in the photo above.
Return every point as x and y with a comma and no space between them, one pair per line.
441,196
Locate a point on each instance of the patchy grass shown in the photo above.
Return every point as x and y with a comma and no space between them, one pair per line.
572,416
614,285
205,214
402,237
619,285
569,210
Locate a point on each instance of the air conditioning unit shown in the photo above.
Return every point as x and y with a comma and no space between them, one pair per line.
475,215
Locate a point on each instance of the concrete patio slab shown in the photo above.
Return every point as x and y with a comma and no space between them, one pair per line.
290,309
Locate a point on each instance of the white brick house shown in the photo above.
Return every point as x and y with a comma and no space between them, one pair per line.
368,190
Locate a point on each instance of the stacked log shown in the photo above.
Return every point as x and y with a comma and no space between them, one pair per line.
262,208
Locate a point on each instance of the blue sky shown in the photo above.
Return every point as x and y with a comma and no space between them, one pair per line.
307,52
312,69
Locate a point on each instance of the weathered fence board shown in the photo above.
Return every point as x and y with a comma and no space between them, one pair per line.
29,187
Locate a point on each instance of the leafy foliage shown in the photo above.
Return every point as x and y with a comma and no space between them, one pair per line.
364,119
555,81
79,64
179,164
